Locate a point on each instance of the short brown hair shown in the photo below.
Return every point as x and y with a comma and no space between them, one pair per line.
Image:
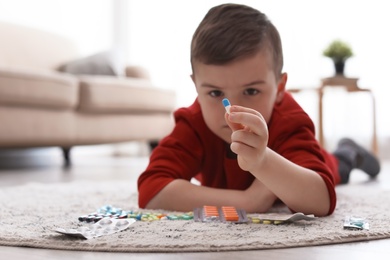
231,31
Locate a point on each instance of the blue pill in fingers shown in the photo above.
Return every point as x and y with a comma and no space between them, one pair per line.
226,104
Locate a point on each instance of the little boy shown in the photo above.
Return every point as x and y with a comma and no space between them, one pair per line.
261,152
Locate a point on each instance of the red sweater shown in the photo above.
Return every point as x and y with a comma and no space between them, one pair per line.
193,150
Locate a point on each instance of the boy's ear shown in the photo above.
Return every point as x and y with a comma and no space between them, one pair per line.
281,87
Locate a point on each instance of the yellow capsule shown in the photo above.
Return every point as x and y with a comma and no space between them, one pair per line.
267,222
277,222
255,220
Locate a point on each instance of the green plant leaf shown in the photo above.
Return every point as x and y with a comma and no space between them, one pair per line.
338,50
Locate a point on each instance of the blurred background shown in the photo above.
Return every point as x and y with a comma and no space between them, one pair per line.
157,34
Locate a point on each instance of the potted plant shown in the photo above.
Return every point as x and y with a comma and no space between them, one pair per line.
339,52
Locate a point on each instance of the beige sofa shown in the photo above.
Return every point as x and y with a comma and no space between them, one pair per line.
41,106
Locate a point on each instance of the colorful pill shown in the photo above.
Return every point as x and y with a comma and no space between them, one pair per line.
172,217
230,213
226,104
255,220
186,217
210,211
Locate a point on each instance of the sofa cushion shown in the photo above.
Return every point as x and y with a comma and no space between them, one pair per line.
102,63
108,94
38,89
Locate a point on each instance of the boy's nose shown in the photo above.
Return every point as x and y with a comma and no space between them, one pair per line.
234,101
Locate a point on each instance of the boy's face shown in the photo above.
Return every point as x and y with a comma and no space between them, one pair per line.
248,82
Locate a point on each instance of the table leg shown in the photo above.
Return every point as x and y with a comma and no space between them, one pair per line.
320,119
374,143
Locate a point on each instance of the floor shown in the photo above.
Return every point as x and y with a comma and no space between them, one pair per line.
18,167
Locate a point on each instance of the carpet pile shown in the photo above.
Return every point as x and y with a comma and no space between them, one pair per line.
31,212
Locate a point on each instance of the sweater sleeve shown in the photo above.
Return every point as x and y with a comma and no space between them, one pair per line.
293,137
178,156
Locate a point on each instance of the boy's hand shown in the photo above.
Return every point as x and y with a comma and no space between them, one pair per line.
249,137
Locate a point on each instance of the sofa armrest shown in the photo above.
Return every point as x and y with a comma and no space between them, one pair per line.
37,88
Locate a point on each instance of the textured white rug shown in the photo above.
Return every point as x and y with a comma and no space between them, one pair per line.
29,214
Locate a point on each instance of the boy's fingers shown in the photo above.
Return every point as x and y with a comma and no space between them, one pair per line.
236,108
233,126
252,121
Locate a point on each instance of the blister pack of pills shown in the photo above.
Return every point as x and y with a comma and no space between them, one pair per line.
104,212
103,227
220,214
118,213
355,223
279,218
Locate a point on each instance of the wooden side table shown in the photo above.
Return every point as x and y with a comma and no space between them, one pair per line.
350,85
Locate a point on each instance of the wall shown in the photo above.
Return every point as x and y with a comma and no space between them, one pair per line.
88,22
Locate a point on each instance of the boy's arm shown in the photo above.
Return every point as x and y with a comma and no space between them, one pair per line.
182,195
301,189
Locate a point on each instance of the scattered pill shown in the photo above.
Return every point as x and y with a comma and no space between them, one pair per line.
256,220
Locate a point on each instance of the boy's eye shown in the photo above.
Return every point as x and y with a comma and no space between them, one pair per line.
251,91
215,93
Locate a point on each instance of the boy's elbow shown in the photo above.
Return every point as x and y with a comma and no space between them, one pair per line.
324,211
154,203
